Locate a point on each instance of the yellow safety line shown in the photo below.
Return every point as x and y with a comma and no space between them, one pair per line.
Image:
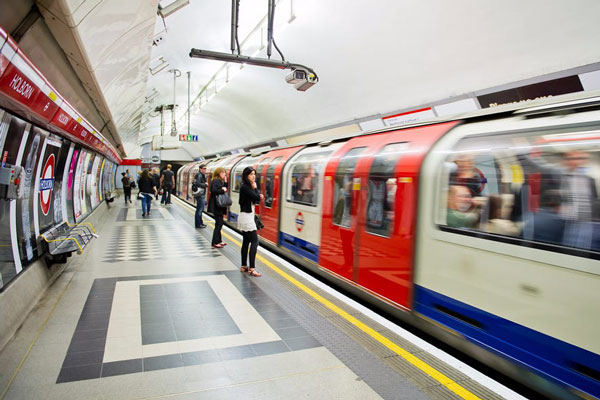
35,339
415,361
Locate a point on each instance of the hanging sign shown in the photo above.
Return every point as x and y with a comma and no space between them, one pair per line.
188,138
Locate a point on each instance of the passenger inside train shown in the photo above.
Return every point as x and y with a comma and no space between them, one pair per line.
540,190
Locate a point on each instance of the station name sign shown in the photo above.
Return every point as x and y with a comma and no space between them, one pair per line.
188,138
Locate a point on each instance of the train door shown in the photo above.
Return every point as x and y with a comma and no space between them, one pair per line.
191,173
236,182
387,212
341,196
272,166
302,201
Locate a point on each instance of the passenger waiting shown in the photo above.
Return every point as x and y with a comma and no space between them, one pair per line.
463,212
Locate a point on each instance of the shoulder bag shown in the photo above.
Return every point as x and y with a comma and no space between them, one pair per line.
258,222
223,200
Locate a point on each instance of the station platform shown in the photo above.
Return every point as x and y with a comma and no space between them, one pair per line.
151,311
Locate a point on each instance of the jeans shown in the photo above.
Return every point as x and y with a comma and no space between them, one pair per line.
250,238
166,197
146,201
127,193
199,208
216,237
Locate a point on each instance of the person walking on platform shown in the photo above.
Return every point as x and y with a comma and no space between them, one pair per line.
217,186
199,191
249,195
155,175
167,183
126,187
147,190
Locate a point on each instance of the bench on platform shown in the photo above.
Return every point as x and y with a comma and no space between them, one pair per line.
62,240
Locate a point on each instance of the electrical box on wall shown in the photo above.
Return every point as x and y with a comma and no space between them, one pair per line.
9,181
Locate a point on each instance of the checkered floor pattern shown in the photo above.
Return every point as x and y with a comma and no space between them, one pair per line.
156,242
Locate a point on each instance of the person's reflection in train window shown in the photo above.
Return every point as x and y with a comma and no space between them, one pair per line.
577,190
466,174
376,212
463,212
546,225
496,223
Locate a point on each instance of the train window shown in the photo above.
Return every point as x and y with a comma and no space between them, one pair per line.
304,182
342,189
538,190
382,190
259,172
270,182
237,172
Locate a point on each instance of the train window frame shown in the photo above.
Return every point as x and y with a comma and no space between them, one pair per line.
271,171
515,246
259,167
319,171
391,181
336,191
239,169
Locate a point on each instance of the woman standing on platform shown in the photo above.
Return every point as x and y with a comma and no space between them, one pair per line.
217,186
147,190
249,195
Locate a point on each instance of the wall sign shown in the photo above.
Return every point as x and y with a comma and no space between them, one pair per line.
47,184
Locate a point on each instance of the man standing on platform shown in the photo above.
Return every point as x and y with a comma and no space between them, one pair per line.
199,192
167,182
155,175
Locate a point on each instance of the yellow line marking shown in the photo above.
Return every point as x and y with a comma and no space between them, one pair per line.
35,339
415,361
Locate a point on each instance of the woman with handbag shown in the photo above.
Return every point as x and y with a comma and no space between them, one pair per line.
218,187
147,190
249,195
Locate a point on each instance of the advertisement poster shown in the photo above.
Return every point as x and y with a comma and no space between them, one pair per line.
94,198
70,185
77,186
87,201
101,188
25,204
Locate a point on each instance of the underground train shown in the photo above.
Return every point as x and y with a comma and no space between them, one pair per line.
482,231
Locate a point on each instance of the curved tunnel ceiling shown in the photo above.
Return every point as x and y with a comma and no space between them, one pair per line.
371,58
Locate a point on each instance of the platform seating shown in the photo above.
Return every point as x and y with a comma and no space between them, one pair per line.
60,241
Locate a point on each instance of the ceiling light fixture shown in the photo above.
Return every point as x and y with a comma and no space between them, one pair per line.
175,6
159,67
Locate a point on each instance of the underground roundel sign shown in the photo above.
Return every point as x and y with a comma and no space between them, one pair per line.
299,221
47,184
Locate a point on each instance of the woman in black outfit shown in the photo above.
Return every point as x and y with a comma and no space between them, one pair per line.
147,189
217,186
249,195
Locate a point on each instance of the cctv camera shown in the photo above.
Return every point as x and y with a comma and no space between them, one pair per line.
296,76
307,83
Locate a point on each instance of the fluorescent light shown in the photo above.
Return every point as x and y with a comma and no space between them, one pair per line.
172,8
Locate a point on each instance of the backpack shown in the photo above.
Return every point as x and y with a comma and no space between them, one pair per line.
197,191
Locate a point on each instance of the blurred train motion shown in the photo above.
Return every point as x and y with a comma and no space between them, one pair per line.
483,231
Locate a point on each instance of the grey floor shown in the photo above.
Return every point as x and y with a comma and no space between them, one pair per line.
150,310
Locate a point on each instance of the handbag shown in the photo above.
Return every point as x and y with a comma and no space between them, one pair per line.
258,222
223,200
140,195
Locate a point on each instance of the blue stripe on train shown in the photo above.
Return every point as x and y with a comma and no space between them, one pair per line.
552,357
299,246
